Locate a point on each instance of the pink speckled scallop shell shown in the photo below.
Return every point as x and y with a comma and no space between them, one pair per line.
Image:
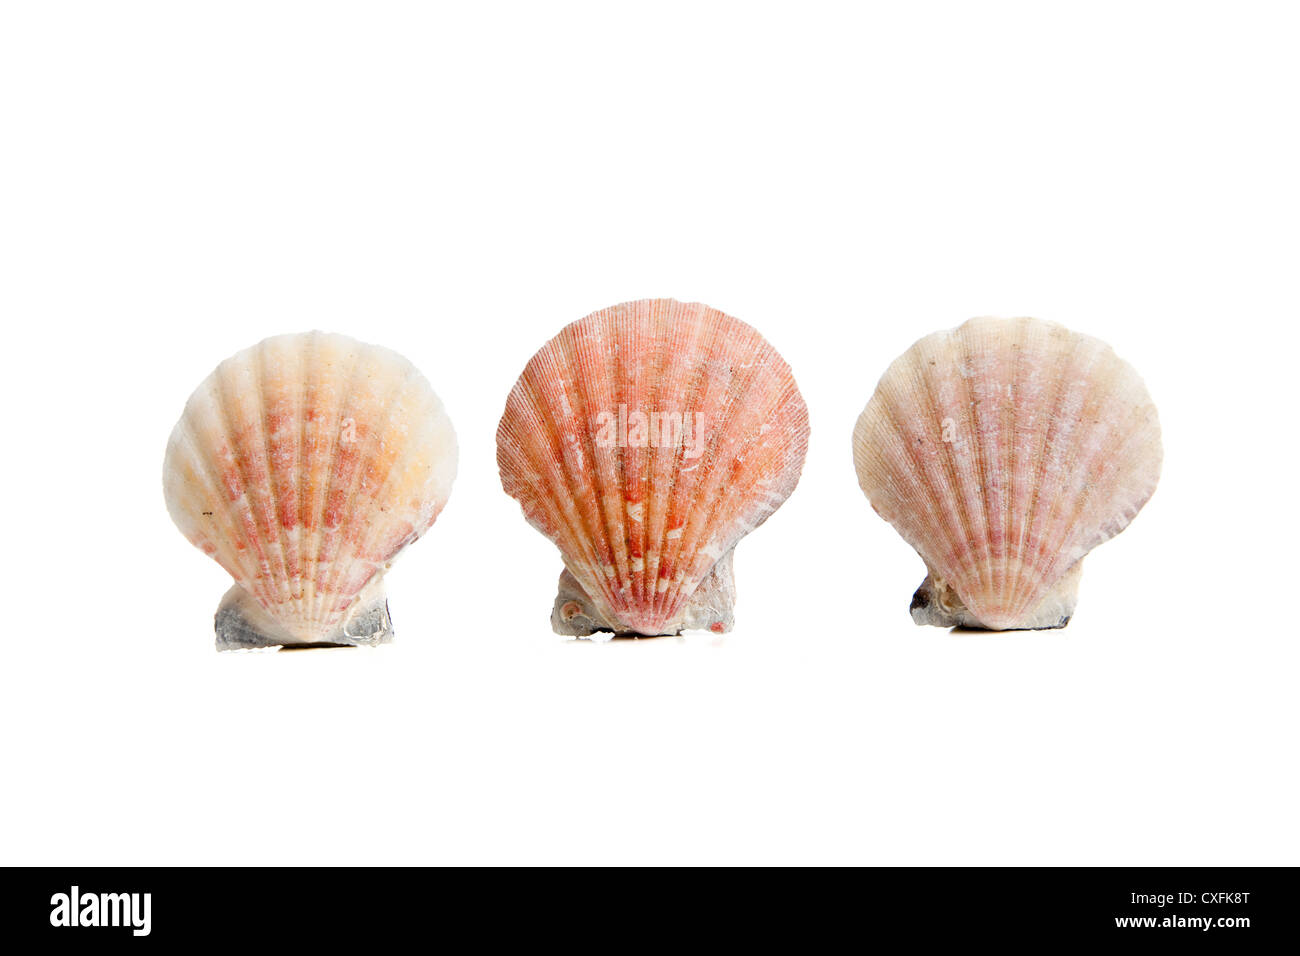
303,465
642,526
1004,451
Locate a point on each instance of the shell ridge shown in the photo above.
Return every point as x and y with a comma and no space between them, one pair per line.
666,549
652,383
260,587
574,358
959,531
706,488
619,328
308,374
936,481
1088,360
651,546
701,340
923,489
352,529
1107,467
553,480
1143,424
790,410
590,577
562,484
635,531
1063,360
618,333
307,547
233,476
669,601
1009,417
684,338
410,391
1018,513
728,492
314,386
187,443
272,478
264,511
366,458
722,493
625,331
1147,427
956,482
325,544
983,574
1059,535
338,541
673,317
326,412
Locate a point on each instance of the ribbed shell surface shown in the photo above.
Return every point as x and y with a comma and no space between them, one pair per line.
640,525
303,465
1004,451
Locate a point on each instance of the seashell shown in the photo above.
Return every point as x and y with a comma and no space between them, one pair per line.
645,441
1004,451
302,466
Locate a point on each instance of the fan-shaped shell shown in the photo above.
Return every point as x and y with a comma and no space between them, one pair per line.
303,465
1004,451
643,521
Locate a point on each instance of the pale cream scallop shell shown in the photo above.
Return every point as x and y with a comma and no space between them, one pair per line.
1004,451
303,465
646,528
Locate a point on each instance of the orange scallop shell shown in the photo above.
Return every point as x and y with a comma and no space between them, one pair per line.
586,445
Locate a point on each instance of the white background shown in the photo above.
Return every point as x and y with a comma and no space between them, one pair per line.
458,182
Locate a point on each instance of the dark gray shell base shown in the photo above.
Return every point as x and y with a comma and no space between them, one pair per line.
241,624
710,608
937,604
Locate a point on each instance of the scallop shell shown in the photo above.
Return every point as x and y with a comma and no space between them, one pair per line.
1003,451
302,466
646,513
